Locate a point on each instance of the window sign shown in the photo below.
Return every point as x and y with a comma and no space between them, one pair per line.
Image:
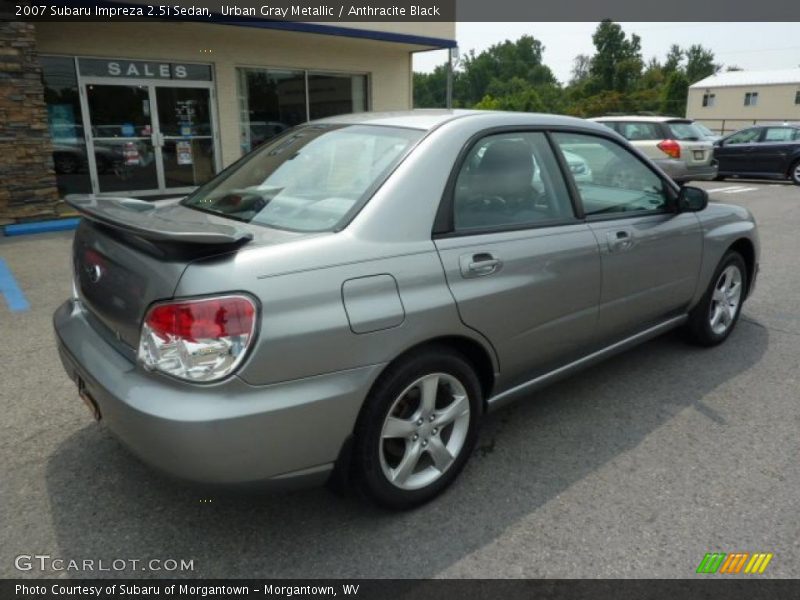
184,151
143,69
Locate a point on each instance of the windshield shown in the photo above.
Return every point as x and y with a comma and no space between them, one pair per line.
685,131
310,179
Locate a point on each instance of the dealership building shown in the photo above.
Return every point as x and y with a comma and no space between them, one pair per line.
732,100
155,108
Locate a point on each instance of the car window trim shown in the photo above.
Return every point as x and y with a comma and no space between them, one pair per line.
444,222
670,186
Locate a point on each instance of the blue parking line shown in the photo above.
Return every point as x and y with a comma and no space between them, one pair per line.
14,296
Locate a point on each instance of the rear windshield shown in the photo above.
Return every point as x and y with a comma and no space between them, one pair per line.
685,131
310,179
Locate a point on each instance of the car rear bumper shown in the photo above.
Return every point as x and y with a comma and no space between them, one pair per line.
286,434
679,171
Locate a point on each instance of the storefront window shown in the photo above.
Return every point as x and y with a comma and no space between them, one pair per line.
66,125
271,101
330,95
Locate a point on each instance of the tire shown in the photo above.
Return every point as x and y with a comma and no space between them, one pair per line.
794,173
719,178
710,323
393,461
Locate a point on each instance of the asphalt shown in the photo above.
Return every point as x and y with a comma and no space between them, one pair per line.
634,468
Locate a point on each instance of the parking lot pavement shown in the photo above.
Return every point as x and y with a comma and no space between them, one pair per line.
634,468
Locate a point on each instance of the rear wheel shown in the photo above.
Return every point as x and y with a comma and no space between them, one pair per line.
715,316
794,173
418,428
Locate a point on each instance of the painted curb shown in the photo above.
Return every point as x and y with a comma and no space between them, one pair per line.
40,227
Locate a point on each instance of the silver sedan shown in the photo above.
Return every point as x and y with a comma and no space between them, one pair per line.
350,299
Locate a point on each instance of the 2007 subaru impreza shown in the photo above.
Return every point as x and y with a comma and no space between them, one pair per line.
359,291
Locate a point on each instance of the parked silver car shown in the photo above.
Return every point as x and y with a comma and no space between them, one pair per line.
359,291
676,145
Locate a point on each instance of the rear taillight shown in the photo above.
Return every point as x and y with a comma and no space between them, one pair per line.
670,147
198,340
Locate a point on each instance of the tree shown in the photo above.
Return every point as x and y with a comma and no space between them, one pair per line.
430,89
700,63
580,69
674,59
617,63
676,91
521,59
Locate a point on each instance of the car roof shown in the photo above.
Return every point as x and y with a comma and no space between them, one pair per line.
427,119
641,118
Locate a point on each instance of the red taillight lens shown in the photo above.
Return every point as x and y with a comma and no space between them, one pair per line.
212,318
670,147
198,340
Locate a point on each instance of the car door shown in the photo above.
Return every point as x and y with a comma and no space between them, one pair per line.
523,269
735,152
650,255
774,150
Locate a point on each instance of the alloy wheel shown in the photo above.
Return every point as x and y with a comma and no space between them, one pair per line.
725,299
424,431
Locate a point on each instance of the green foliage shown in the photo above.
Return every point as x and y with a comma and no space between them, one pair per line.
673,99
512,76
700,63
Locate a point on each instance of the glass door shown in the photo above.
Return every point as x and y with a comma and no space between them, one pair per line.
185,135
121,133
150,138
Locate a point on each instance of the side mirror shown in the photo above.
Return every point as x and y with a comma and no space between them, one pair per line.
692,199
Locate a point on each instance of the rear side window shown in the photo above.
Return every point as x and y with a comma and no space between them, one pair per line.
511,180
311,179
780,134
618,182
746,136
685,131
637,131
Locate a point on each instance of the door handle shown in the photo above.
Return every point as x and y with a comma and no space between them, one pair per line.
620,240
479,264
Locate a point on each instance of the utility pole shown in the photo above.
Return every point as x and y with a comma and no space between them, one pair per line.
452,54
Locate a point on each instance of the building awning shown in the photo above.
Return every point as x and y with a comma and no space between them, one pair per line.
428,42
369,34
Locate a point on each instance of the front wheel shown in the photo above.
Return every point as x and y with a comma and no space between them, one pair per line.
715,316
418,428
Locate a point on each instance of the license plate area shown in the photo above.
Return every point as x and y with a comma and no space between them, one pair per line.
699,154
90,402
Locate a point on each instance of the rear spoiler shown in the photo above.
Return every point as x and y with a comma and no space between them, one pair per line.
153,222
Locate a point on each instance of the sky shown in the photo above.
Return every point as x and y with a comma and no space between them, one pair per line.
751,46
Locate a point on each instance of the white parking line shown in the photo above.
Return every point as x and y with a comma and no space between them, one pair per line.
746,189
722,189
736,189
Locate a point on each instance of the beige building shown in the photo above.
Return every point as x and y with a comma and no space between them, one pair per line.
733,100
156,108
